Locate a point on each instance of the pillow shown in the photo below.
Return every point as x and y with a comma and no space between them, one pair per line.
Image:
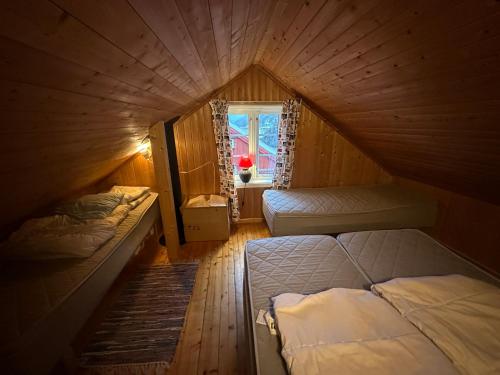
459,314
56,237
93,206
130,193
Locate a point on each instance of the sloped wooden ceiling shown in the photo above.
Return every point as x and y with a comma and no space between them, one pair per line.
415,84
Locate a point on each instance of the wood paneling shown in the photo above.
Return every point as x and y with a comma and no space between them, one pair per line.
466,225
414,84
323,156
194,137
250,200
136,171
79,89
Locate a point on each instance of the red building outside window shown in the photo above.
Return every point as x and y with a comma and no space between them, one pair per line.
254,132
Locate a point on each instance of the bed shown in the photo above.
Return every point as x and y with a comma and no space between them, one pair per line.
313,263
345,209
386,254
44,305
299,264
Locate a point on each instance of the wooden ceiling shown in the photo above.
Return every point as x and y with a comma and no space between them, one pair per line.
415,84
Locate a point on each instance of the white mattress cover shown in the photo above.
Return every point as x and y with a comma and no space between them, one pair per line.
339,209
31,291
298,264
386,254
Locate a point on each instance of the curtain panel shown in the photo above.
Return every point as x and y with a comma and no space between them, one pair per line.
287,134
224,155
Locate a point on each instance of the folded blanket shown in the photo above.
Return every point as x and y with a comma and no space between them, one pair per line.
130,193
92,206
459,314
136,202
348,331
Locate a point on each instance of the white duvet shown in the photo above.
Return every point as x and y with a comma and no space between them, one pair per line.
349,331
61,236
459,314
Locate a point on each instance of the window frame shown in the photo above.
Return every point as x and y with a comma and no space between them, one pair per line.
253,111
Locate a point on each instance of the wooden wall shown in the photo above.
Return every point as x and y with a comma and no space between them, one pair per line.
466,225
323,156
194,137
82,81
136,171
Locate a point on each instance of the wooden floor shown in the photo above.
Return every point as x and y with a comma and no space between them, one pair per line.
213,339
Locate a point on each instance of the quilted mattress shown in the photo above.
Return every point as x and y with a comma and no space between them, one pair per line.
48,302
387,254
295,264
345,209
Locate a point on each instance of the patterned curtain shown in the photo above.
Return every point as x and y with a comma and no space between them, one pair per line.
287,133
224,155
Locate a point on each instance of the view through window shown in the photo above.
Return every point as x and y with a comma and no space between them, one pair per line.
254,132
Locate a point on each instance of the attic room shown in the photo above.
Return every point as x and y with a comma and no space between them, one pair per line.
250,187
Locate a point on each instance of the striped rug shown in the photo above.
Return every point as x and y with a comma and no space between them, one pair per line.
140,332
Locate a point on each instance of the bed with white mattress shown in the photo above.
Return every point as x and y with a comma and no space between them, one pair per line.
314,263
45,304
345,209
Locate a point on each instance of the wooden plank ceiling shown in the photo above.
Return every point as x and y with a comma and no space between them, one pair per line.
415,84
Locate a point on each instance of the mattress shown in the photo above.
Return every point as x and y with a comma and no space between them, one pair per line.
48,302
387,254
295,264
345,209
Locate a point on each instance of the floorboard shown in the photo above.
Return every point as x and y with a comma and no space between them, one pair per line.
213,340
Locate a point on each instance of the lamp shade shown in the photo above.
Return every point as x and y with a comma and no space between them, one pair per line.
245,162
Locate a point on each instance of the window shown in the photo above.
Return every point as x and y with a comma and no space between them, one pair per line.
254,132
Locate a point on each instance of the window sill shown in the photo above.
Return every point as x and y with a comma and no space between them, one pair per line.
253,184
